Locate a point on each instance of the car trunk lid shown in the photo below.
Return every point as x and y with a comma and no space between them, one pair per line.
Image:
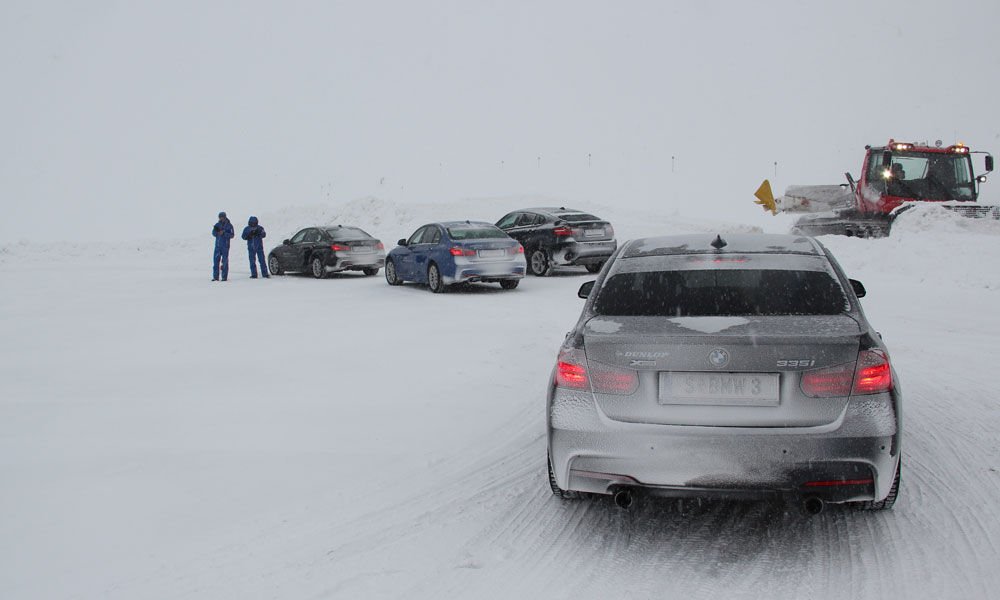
722,371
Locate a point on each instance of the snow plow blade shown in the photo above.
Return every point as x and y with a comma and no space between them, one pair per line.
815,198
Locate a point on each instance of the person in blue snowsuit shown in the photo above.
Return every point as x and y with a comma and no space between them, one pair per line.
254,234
223,232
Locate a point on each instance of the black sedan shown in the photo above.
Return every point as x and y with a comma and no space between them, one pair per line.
560,237
325,250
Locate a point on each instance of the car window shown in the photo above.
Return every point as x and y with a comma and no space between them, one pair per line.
578,218
718,292
298,237
527,219
476,233
508,221
312,236
346,233
418,235
432,236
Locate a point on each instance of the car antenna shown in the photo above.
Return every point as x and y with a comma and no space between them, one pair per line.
718,243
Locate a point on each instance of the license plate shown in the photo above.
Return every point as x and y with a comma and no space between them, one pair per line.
593,232
361,249
721,389
492,253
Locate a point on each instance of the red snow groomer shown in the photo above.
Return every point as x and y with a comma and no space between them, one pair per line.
894,177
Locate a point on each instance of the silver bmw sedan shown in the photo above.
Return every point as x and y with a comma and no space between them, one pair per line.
736,366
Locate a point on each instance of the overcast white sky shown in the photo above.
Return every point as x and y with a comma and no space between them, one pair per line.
125,120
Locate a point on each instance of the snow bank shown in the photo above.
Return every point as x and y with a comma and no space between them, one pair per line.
385,219
934,219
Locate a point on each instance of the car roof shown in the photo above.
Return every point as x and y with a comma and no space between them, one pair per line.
732,243
552,210
464,224
334,227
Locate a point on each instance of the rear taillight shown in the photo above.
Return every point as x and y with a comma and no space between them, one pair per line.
870,375
456,251
340,248
380,246
828,383
519,249
562,231
570,375
573,371
874,373
606,379
609,231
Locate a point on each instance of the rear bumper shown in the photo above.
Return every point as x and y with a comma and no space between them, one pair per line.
852,459
468,271
583,253
355,263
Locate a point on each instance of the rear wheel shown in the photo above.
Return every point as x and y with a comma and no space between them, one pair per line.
434,280
369,272
274,265
556,490
538,263
318,268
509,284
594,268
887,502
390,273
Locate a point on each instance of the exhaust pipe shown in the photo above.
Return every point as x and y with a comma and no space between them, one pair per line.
812,505
624,498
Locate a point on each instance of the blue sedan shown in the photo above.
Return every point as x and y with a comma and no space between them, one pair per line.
443,254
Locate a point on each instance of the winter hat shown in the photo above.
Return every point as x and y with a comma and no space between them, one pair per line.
222,215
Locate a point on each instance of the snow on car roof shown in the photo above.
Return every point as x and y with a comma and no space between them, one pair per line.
742,243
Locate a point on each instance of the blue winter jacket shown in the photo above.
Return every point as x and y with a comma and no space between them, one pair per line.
254,234
223,232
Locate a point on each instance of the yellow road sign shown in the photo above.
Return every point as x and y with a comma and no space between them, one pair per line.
765,197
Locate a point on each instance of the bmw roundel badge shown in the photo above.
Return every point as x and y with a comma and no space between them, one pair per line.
719,358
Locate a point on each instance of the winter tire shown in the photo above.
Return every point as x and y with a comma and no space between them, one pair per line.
887,502
274,265
509,284
434,280
556,490
369,272
318,269
390,273
595,268
538,263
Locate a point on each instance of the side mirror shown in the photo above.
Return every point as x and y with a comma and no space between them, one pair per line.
989,163
401,242
886,159
981,179
858,287
585,289
287,242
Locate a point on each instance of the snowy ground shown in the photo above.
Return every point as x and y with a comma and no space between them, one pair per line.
162,436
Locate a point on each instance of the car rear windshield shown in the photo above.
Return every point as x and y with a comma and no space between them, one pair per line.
702,293
578,218
346,233
475,233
